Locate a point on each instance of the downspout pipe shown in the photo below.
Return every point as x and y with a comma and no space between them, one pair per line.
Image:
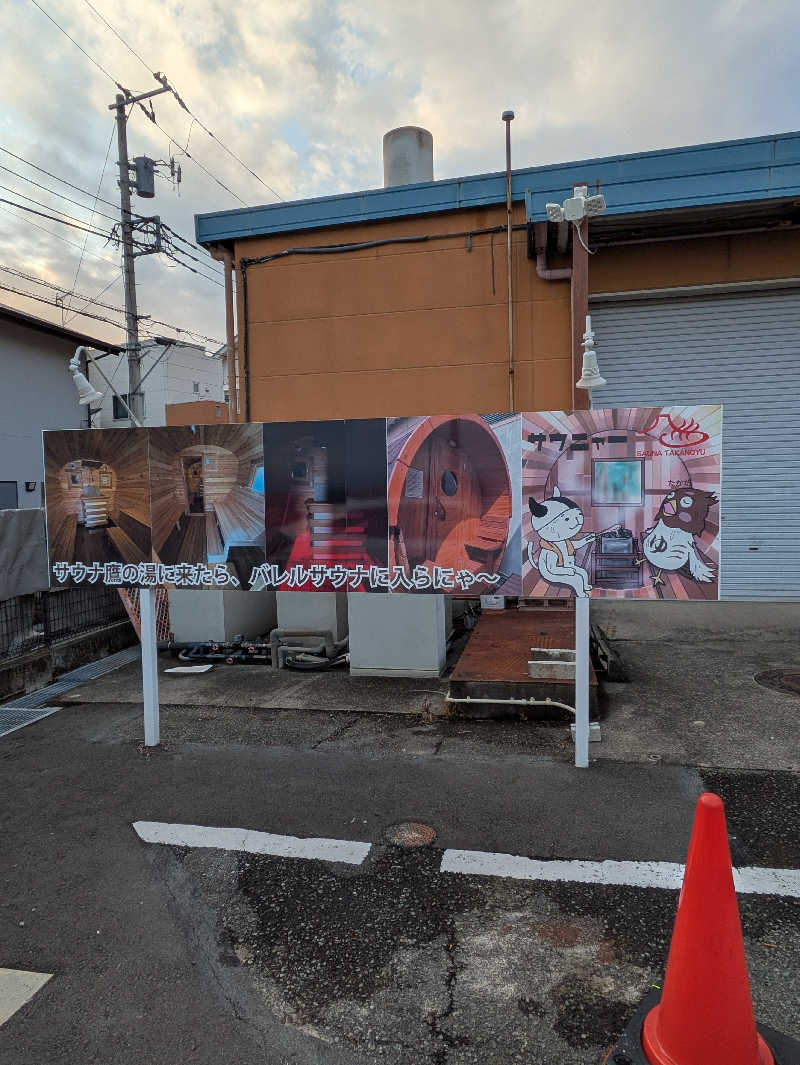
540,243
225,256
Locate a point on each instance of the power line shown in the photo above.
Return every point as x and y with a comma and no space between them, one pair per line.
53,192
53,303
94,300
172,254
94,209
39,203
91,195
195,160
55,177
97,303
91,59
54,218
118,36
58,236
191,244
150,114
194,258
162,80
60,288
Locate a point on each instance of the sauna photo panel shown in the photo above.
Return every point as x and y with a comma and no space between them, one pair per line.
207,496
622,503
326,497
98,503
452,486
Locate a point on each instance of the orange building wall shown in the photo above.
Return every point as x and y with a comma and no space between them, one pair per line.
402,329
411,329
709,261
196,412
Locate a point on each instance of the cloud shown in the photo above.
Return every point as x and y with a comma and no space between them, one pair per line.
303,90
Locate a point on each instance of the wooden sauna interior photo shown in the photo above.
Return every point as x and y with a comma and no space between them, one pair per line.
326,492
450,499
207,495
98,505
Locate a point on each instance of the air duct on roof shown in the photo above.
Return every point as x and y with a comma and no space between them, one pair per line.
407,156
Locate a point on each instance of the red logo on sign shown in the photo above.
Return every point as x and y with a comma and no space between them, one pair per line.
679,433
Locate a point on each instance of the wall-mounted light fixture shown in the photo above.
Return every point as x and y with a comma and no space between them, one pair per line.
590,377
30,486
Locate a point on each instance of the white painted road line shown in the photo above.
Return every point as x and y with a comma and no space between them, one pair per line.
252,842
747,880
16,988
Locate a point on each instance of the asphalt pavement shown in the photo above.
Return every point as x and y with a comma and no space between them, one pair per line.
164,954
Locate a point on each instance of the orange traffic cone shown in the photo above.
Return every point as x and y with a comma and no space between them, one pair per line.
705,1015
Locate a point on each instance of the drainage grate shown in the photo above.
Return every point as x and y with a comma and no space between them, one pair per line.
13,717
780,680
410,834
40,700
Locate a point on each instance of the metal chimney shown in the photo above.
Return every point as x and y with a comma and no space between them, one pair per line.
407,156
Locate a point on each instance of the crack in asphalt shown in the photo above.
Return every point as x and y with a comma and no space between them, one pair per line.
337,732
434,1019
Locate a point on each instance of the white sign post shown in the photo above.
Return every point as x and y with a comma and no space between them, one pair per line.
582,682
147,608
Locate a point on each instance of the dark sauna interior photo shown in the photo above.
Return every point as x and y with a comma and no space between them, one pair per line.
207,495
98,506
449,494
326,493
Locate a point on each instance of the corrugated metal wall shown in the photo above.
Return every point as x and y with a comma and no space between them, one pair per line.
742,351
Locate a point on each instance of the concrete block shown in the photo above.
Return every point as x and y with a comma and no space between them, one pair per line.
397,635
324,611
218,615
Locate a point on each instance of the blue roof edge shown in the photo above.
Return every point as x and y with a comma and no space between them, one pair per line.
756,168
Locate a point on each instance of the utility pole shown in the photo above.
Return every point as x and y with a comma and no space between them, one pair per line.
128,271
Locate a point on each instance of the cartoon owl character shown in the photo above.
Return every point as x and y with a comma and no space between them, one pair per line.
670,545
557,520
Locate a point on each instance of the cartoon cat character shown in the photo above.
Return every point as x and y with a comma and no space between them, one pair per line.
557,520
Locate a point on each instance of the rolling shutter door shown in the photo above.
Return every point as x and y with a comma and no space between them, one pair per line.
741,351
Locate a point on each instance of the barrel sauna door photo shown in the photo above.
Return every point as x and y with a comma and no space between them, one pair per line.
98,500
451,497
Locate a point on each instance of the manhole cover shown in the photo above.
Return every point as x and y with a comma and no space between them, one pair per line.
780,680
410,834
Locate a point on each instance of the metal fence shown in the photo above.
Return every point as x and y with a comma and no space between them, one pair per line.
28,622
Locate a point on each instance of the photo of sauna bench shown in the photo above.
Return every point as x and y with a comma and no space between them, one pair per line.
204,502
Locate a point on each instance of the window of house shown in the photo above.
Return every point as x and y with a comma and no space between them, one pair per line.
8,495
195,387
119,409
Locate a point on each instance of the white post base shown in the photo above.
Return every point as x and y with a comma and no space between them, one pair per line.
147,611
582,683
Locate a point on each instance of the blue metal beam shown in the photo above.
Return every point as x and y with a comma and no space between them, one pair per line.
759,168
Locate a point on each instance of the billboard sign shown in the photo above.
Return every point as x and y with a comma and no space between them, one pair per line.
594,503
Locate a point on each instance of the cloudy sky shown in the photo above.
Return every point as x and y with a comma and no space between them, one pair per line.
302,92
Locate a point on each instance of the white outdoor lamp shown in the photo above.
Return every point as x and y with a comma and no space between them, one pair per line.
86,392
590,374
